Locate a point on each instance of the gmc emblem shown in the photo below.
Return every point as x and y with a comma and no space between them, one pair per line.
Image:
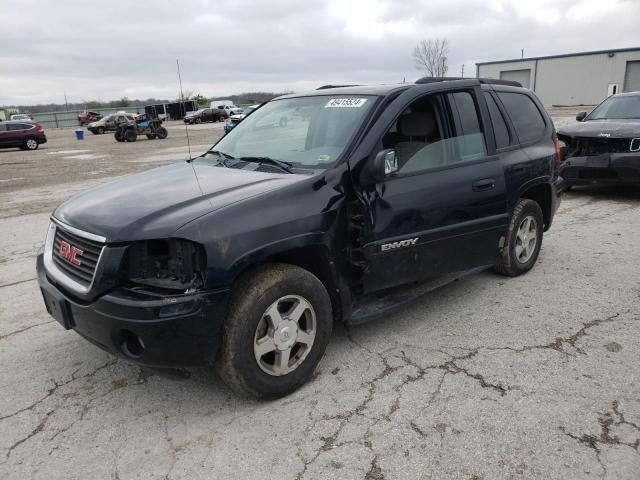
69,252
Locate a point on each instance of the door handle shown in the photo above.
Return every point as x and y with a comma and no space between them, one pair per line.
484,185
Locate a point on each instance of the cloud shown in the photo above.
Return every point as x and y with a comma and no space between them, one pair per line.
93,50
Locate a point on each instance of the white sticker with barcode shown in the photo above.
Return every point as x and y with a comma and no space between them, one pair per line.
345,102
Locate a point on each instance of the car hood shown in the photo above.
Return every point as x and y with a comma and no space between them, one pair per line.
603,129
156,203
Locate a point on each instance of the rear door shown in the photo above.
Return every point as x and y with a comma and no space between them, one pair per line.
110,122
445,209
15,134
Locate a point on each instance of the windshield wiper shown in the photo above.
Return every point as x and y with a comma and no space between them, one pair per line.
222,157
285,166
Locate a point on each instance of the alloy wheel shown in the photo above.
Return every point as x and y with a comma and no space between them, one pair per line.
285,335
526,239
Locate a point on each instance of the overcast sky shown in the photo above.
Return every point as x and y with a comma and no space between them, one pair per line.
106,50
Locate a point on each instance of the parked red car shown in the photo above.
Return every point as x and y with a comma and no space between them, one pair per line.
87,117
206,115
23,135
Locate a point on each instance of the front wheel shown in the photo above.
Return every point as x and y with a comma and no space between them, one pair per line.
524,239
277,328
161,133
100,130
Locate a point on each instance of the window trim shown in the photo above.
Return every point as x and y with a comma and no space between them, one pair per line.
507,122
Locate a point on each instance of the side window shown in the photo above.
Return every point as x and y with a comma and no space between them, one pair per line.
435,131
468,143
467,114
500,129
16,126
525,116
3,127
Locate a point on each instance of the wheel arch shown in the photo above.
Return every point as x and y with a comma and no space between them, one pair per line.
315,258
541,193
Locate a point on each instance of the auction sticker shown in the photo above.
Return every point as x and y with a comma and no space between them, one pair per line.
345,102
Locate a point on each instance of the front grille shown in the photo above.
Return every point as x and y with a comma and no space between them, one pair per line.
585,146
88,258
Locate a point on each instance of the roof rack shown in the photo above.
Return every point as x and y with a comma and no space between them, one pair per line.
325,87
490,81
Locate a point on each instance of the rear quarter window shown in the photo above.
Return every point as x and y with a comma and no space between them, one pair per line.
525,116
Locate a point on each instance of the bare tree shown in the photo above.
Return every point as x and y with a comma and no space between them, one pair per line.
432,56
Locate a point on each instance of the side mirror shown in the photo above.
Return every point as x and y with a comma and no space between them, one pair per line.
384,164
580,116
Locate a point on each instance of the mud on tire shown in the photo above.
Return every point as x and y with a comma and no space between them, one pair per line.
514,260
252,296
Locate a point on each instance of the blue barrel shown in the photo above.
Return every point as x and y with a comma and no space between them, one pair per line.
80,134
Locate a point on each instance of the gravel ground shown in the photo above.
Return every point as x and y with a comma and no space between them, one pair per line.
487,378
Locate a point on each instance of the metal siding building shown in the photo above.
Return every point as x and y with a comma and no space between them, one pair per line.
584,78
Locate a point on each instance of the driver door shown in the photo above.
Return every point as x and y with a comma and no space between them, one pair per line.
445,209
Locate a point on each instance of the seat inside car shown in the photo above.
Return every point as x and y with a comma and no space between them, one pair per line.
418,130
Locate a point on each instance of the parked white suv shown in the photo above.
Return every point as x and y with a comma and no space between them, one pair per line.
226,105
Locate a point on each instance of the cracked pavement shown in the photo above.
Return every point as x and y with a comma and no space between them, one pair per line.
486,378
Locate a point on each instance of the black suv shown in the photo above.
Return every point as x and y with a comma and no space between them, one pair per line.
367,198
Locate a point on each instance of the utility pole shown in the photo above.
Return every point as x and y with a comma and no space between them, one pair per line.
66,104
462,73
522,53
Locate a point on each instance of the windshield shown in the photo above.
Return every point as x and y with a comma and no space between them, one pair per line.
308,132
617,107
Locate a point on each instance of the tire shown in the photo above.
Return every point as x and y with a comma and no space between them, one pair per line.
161,133
31,143
525,229
100,130
150,136
130,136
198,121
118,136
291,288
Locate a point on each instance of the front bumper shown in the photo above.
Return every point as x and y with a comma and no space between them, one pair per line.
171,331
609,168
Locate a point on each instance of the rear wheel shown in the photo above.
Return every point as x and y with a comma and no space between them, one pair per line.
130,135
524,239
161,133
276,331
31,143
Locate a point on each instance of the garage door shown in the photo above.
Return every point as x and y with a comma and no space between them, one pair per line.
632,77
521,76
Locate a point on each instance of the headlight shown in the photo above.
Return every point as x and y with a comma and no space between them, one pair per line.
172,265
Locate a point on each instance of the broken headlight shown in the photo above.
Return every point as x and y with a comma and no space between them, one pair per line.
167,266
